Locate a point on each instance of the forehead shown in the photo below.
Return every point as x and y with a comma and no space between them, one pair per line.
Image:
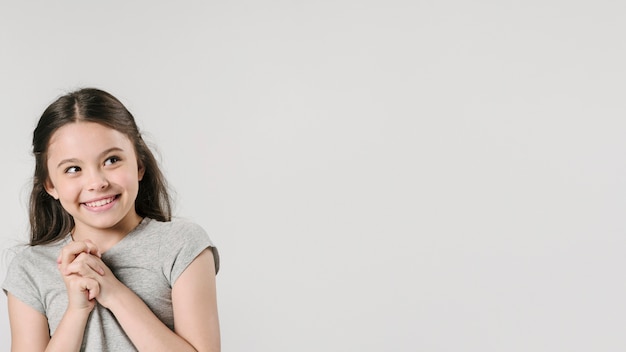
85,139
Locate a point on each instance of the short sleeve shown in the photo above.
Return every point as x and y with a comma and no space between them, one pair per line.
21,282
182,246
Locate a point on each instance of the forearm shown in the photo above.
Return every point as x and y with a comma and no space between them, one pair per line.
144,329
69,334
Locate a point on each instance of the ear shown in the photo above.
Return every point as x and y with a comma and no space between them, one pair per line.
141,170
50,189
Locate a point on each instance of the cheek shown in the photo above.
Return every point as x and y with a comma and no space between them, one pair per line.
66,189
129,181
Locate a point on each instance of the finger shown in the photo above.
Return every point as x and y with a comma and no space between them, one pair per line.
73,249
92,248
81,288
85,265
90,287
94,289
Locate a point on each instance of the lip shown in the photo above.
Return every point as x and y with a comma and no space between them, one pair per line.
100,204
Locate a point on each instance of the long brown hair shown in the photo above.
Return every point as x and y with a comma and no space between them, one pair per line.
49,222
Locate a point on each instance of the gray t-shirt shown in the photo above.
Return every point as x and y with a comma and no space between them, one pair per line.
148,260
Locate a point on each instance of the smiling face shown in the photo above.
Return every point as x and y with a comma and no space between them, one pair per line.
93,171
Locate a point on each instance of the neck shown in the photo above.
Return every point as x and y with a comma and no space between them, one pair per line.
106,238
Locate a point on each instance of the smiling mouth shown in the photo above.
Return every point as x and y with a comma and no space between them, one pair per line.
101,202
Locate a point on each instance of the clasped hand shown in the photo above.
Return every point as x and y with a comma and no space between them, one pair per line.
86,277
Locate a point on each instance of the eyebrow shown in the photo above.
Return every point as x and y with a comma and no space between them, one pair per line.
75,161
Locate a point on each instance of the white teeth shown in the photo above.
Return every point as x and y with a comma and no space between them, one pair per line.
100,203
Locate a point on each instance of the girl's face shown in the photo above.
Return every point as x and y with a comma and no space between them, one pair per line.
94,173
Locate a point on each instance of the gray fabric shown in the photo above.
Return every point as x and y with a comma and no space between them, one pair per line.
148,260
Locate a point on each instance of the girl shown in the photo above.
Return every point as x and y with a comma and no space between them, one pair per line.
107,268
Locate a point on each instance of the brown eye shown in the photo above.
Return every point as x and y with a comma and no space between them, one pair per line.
111,160
72,170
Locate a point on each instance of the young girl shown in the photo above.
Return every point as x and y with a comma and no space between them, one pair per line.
107,268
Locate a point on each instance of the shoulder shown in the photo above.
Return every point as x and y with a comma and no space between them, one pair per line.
178,232
32,261
26,255
167,236
181,240
177,226
32,272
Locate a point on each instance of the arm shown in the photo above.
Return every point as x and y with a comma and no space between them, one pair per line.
195,313
69,334
81,293
29,328
193,299
146,331
195,304
30,333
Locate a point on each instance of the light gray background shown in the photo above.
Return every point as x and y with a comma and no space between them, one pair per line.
378,175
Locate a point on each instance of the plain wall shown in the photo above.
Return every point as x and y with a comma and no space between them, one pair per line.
378,175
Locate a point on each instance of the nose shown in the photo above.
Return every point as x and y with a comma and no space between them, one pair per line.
97,181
